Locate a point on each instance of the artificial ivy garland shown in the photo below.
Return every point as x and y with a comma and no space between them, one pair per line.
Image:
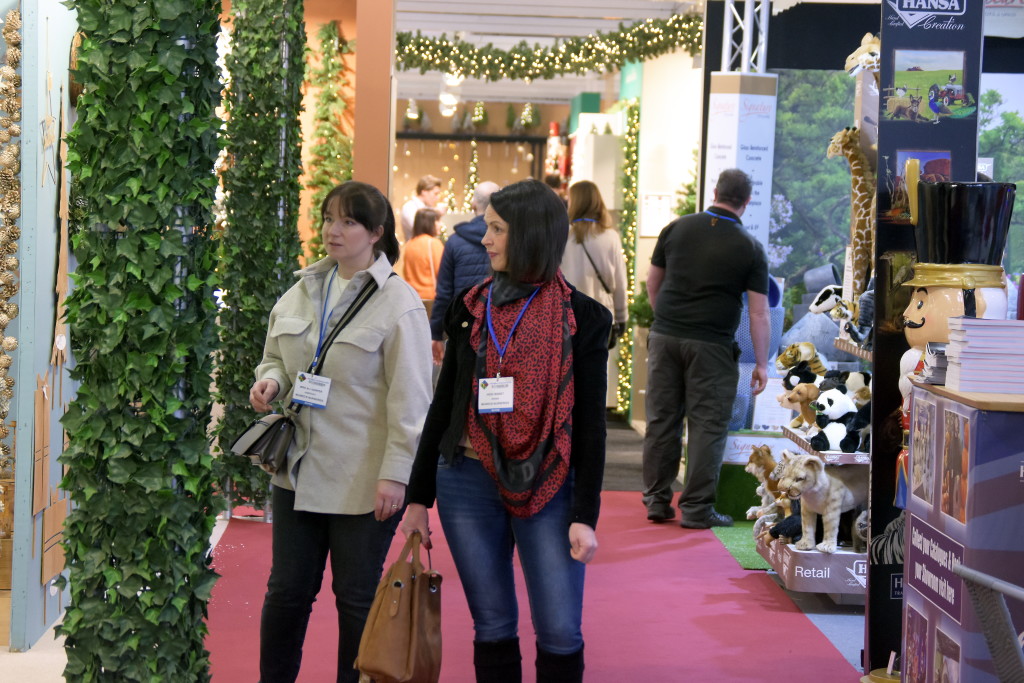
139,469
628,229
596,52
260,245
331,149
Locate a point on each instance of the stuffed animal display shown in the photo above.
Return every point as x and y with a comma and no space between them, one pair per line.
825,491
851,316
762,465
800,398
840,421
801,351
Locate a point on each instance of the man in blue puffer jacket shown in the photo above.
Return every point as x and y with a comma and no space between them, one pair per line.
463,264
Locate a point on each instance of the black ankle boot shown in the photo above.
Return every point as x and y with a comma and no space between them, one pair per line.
498,661
552,668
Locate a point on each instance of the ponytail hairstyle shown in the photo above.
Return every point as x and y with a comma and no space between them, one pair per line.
366,204
587,212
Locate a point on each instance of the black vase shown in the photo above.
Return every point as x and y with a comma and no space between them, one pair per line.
963,222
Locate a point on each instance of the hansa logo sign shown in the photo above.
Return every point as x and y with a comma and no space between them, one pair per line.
930,14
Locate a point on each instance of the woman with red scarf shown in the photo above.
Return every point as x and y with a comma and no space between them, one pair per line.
514,442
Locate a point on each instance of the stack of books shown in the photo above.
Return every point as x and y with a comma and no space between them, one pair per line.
935,364
985,355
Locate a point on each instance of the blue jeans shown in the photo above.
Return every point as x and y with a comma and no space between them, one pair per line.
302,543
482,534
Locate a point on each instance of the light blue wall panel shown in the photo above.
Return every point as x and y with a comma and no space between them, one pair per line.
48,28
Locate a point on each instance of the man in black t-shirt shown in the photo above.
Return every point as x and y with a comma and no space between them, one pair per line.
701,267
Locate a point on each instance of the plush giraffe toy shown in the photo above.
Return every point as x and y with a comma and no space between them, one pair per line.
862,188
867,57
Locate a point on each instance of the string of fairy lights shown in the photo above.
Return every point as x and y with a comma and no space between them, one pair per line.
472,177
628,229
598,51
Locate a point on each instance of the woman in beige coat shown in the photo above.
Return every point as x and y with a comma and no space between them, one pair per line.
341,492
595,263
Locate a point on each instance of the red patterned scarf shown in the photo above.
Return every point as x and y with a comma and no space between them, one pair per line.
526,450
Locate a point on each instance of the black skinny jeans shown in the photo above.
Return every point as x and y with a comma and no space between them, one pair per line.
302,541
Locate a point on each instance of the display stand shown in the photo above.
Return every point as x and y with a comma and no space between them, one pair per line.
841,573
964,507
852,349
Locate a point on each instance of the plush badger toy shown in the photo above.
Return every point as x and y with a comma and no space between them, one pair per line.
840,421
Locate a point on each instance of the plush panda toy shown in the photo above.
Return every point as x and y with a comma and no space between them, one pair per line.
840,421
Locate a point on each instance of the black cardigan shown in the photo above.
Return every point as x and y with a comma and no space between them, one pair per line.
446,419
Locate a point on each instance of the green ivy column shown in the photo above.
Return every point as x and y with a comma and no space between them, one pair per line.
331,150
628,231
261,243
142,324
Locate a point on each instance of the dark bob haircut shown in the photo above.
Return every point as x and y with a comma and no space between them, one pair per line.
538,227
368,206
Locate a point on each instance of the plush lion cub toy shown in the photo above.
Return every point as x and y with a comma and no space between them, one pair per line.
825,491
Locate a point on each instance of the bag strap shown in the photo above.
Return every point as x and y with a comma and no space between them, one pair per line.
353,308
411,550
600,279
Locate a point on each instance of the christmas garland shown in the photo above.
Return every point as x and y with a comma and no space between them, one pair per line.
331,148
596,52
628,226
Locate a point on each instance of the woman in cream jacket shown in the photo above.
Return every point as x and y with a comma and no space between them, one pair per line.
341,492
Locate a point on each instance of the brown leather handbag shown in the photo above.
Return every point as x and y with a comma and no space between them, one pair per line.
401,642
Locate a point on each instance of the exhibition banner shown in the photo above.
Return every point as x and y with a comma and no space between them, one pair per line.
741,134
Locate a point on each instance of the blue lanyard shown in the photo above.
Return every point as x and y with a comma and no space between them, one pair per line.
585,220
718,215
490,326
323,317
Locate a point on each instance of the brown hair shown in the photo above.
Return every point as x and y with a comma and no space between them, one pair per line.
427,182
425,222
587,212
537,229
371,209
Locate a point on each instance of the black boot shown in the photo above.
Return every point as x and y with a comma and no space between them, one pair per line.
498,661
552,668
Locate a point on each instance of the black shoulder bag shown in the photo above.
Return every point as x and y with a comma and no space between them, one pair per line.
265,442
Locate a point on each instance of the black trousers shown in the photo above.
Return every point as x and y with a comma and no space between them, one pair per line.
696,380
302,541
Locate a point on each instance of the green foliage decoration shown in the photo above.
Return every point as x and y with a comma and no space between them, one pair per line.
812,106
139,470
260,245
331,149
1001,138
628,227
579,55
686,195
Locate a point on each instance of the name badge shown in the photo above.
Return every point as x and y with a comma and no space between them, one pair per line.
495,395
311,390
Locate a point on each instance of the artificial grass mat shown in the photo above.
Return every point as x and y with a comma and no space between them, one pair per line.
739,541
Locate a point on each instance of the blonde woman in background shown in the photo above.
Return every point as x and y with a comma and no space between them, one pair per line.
421,256
595,263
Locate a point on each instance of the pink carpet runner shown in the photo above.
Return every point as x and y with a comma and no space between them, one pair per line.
662,604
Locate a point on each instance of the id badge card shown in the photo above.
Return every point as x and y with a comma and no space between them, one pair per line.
311,390
495,395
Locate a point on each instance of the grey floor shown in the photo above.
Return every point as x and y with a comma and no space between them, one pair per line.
842,624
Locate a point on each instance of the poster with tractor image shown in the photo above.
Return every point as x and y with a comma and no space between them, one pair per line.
928,87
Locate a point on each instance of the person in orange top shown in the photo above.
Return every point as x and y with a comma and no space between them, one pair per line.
422,255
